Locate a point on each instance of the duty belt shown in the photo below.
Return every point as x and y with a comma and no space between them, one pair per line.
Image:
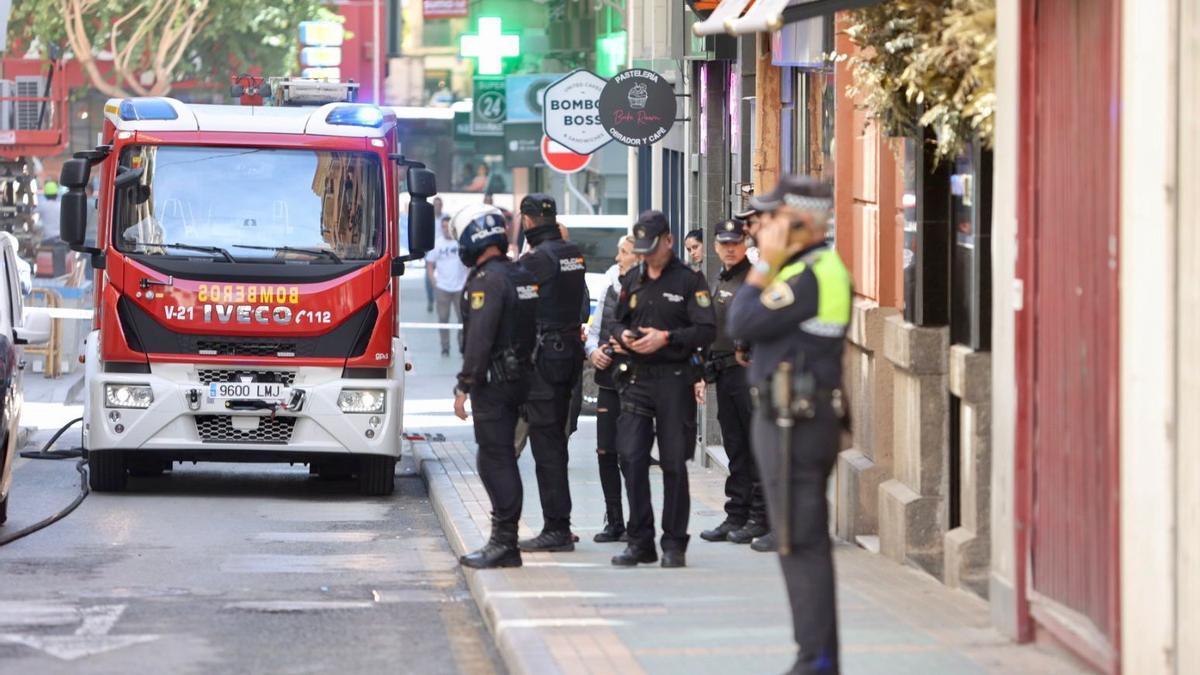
722,361
762,399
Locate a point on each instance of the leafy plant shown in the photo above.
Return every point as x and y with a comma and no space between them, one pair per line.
928,63
143,47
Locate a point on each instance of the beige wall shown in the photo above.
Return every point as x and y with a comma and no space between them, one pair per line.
1187,556
1147,328
1004,299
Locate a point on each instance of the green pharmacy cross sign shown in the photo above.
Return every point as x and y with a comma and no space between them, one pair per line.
489,46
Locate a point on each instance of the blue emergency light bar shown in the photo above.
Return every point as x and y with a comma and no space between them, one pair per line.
142,109
352,115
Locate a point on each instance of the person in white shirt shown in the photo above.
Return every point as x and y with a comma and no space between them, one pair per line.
448,275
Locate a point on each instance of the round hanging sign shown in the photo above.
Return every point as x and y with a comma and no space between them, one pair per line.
637,107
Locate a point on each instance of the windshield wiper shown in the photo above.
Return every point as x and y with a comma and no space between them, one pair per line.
315,252
215,250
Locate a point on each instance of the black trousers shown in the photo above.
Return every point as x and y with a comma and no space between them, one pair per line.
808,570
608,410
662,407
494,411
744,495
547,410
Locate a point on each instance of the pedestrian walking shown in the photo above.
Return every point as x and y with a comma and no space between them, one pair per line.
608,405
745,505
558,268
795,309
444,266
664,317
499,307
49,211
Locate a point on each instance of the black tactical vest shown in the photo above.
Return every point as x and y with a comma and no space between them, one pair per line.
518,327
561,296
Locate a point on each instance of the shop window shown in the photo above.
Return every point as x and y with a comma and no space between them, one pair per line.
926,204
971,269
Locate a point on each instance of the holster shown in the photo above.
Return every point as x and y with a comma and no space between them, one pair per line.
506,366
718,363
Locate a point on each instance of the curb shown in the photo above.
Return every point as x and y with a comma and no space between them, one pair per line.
523,649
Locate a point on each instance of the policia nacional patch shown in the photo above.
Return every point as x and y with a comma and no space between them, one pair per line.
633,301
777,296
477,300
703,299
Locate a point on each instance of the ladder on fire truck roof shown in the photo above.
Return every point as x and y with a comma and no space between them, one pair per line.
295,91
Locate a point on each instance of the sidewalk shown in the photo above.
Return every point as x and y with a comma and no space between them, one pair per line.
725,613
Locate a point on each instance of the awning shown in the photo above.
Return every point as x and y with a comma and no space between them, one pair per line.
715,24
769,15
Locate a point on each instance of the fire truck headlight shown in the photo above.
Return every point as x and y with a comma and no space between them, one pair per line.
128,396
362,400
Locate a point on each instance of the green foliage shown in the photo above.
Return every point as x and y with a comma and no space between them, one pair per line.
235,35
928,63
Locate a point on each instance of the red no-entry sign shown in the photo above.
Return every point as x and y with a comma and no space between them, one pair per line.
561,159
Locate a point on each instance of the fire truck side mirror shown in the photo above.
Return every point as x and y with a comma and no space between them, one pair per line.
73,214
422,183
75,174
420,226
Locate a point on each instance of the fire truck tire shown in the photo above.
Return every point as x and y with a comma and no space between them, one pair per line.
3,509
106,470
376,475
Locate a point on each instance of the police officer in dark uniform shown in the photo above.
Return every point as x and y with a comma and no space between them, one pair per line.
795,309
558,268
499,305
664,317
745,506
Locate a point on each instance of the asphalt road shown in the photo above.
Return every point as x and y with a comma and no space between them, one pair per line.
240,568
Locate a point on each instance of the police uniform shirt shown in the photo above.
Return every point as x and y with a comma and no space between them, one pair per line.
728,282
677,301
497,304
802,315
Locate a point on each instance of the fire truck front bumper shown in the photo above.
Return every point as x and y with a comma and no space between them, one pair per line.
198,411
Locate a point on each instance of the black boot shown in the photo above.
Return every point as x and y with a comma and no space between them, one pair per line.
674,559
614,528
765,543
500,551
752,530
722,531
632,555
556,541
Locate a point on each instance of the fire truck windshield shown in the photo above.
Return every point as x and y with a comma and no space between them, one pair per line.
260,204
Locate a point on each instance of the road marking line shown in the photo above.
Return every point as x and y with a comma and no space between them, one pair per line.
565,622
551,563
547,595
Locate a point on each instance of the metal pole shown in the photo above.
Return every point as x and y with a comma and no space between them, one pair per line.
375,57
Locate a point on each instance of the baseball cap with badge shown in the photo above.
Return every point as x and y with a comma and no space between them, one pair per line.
539,205
799,192
649,227
729,231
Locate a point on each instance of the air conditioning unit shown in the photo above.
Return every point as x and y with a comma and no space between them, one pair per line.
28,113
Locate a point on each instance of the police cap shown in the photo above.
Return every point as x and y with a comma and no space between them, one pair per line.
539,205
649,227
729,231
801,192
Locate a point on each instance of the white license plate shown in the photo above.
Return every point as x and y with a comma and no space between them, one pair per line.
249,390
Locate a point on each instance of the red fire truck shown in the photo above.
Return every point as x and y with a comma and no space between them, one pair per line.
246,305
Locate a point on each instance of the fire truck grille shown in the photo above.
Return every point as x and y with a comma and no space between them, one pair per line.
210,375
229,348
219,429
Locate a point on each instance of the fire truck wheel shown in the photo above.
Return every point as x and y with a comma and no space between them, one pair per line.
106,470
376,475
